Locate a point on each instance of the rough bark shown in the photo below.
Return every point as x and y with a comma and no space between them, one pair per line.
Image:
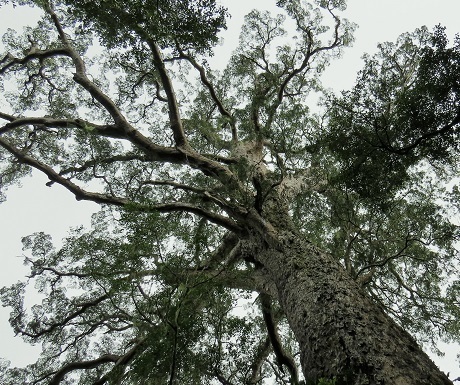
342,333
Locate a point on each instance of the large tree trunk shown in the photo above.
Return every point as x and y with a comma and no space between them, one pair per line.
342,333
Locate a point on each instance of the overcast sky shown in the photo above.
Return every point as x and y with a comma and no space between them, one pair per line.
35,207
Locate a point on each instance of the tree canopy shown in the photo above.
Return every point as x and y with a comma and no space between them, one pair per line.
190,165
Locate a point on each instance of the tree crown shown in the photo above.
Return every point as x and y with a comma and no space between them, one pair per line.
180,156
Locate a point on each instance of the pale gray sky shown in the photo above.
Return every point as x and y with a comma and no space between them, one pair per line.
35,207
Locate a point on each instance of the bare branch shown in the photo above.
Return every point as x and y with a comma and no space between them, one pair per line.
154,152
228,243
182,153
122,361
158,94
79,193
8,117
81,78
297,70
310,52
205,196
123,128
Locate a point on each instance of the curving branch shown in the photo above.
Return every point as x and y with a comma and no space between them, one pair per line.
262,353
122,129
81,77
83,307
79,193
113,159
384,261
59,376
7,117
118,360
205,80
386,145
11,61
203,193
15,122
283,358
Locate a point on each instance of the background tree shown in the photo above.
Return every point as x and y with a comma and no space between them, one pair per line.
227,189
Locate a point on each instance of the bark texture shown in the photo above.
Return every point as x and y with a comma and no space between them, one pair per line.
342,333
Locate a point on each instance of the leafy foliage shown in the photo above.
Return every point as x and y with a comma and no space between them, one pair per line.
186,161
403,108
189,23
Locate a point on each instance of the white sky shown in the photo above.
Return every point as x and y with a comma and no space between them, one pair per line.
35,207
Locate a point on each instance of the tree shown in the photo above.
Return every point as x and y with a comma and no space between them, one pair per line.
226,189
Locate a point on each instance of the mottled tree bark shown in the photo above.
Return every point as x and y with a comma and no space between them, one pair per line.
342,333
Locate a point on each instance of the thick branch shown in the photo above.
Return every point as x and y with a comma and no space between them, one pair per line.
15,122
8,117
247,280
182,153
81,78
122,127
174,114
228,244
122,361
205,195
108,130
296,71
33,54
106,358
59,376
